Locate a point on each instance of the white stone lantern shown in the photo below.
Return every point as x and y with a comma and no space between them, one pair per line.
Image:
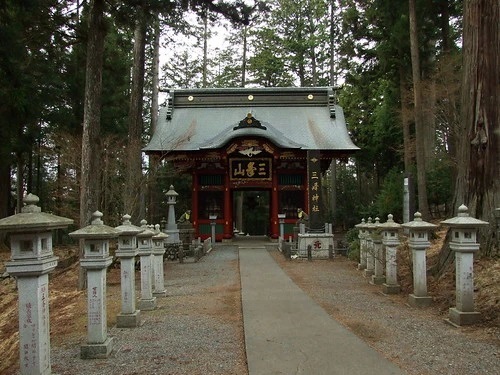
158,252
362,244
370,256
96,260
32,258
419,243
390,239
145,249
464,243
127,251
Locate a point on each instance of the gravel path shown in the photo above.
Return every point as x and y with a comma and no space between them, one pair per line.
196,329
418,340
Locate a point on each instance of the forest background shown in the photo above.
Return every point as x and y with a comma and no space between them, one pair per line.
418,81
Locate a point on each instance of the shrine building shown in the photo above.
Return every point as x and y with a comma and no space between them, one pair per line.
256,155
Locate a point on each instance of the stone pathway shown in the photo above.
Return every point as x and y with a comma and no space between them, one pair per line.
286,332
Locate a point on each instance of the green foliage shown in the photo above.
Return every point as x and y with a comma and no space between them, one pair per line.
439,185
390,198
353,243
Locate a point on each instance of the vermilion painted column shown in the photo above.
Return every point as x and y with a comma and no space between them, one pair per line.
228,205
194,202
274,207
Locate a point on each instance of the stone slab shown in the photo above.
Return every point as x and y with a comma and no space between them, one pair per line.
147,304
162,293
391,289
129,320
377,280
461,318
97,351
416,301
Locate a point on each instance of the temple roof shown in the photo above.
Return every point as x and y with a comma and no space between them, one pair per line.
291,118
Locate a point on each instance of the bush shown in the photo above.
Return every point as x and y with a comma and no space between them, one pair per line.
352,238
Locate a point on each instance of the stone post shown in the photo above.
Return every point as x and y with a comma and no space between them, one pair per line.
145,249
418,243
172,230
126,253
212,225
158,252
96,260
390,239
281,218
362,244
378,277
464,243
31,261
370,256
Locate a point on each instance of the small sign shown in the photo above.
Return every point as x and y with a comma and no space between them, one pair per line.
250,169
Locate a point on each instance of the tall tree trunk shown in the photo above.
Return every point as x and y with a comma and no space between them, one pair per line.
423,205
205,48
409,154
478,185
244,58
132,199
153,213
91,155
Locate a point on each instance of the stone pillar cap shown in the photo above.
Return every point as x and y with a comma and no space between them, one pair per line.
159,235
171,192
463,220
418,224
146,233
96,230
127,228
361,225
31,218
390,224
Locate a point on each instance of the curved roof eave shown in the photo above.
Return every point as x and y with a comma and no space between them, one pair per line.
228,134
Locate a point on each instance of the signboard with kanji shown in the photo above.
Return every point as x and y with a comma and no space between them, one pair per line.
314,177
250,169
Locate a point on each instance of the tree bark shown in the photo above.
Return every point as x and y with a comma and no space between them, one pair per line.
132,198
153,213
91,170
423,205
477,184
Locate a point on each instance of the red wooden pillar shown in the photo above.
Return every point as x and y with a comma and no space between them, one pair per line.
275,232
194,202
228,210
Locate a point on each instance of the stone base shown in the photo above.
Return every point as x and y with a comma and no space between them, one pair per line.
97,351
361,267
391,289
416,301
368,273
129,320
147,304
460,318
162,293
377,280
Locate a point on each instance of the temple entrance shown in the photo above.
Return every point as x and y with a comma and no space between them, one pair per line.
251,212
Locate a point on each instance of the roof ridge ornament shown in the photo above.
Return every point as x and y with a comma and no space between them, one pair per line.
249,122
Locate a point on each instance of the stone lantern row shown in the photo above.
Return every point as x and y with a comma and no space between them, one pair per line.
33,258
373,235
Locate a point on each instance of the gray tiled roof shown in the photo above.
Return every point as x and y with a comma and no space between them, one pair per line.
295,118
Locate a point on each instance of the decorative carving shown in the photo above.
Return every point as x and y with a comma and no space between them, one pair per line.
249,122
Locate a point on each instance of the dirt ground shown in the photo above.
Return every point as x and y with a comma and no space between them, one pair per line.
68,323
